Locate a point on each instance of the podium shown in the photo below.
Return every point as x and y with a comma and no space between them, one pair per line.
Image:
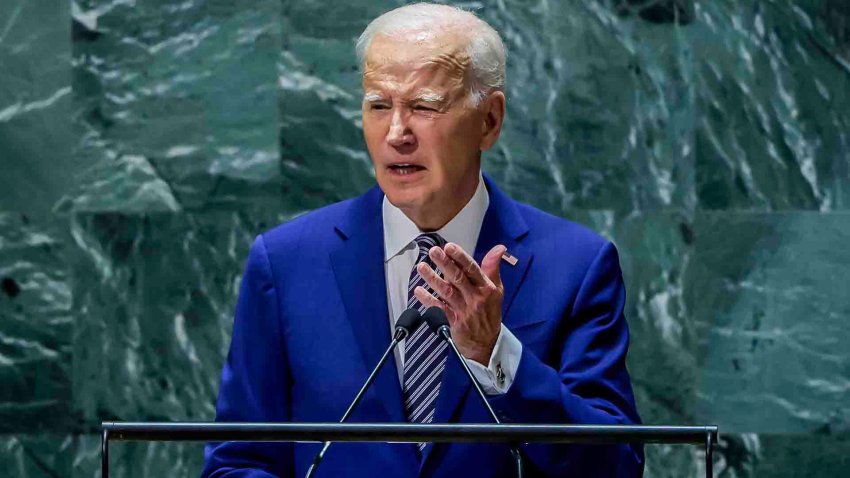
405,433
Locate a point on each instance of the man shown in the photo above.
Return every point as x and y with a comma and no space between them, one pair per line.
535,302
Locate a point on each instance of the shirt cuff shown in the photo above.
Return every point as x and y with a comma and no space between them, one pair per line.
498,376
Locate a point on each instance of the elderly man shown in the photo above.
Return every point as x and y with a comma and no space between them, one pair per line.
535,302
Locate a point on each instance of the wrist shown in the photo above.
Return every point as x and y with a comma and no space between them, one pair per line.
481,353
481,358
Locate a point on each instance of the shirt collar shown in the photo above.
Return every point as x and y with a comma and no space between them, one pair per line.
463,229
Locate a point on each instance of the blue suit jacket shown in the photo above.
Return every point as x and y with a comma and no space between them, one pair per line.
312,321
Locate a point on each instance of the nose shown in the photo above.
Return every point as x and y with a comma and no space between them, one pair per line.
400,133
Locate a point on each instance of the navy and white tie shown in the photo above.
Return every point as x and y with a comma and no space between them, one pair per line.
424,353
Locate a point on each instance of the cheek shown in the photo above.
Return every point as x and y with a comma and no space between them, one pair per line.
438,134
369,126
449,143
372,133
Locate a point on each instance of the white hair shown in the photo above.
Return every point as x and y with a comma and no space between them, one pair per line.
485,48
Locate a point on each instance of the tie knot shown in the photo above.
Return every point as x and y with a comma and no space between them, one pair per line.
428,240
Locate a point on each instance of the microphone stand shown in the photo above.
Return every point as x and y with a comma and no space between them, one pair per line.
441,327
403,328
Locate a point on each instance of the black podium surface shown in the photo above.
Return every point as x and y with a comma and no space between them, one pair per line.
406,433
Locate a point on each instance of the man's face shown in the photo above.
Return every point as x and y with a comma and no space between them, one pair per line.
422,132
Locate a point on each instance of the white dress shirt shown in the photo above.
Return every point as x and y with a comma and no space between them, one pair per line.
401,253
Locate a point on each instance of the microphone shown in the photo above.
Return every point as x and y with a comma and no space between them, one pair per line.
407,322
439,323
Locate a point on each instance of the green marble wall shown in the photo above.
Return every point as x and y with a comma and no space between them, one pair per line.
144,143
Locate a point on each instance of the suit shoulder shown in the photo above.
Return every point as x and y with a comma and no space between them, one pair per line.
314,226
557,230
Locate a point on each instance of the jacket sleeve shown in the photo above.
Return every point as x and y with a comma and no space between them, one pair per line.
589,383
254,380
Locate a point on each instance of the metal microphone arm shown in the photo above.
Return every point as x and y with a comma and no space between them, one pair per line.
400,335
446,334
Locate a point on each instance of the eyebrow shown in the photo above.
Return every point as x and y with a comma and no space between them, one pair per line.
426,96
429,97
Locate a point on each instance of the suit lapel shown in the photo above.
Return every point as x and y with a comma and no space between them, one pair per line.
359,270
502,225
358,266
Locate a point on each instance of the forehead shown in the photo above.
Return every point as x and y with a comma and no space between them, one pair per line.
439,59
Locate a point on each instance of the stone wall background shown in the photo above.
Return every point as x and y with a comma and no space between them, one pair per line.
143,144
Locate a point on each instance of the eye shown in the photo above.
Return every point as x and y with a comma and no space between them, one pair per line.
423,108
378,106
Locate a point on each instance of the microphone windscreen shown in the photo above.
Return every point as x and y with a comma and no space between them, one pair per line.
409,320
436,318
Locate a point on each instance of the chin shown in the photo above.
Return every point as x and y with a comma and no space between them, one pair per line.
408,196
403,199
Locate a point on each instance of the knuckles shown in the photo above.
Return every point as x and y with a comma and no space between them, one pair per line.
491,291
477,304
458,277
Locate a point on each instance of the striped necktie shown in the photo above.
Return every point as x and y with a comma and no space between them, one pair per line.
424,353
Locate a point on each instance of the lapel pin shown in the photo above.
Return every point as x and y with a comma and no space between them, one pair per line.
507,257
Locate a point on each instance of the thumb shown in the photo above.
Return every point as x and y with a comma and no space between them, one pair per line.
491,262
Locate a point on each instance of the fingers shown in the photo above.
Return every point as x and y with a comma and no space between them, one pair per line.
446,291
467,264
452,273
426,298
491,262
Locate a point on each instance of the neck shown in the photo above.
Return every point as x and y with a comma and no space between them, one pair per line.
433,218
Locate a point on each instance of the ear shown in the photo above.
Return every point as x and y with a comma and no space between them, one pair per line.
493,108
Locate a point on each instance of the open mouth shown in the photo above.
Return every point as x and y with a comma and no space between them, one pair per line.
404,169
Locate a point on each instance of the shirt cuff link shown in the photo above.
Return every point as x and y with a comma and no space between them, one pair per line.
500,375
